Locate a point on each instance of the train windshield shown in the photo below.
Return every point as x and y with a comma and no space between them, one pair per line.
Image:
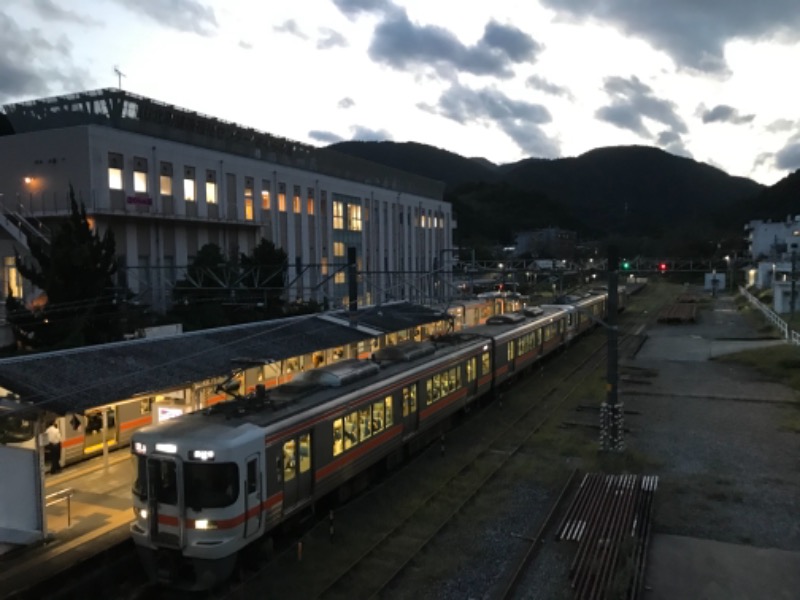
154,476
210,485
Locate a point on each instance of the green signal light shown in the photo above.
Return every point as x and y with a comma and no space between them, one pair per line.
626,265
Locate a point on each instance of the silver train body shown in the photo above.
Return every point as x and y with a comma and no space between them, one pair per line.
211,483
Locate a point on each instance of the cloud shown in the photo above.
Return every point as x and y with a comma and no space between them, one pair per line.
346,103
326,137
541,84
190,16
365,134
330,39
788,157
781,125
673,143
50,11
632,101
291,27
403,45
722,113
353,8
693,33
517,119
33,65
245,45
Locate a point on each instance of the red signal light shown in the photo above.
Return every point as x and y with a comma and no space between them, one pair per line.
662,267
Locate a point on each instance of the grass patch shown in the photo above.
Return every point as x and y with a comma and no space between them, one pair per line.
776,363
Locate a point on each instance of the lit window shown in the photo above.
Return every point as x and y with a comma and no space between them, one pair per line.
165,183
12,277
281,201
139,182
264,199
338,215
339,277
422,221
296,203
189,192
324,265
354,217
248,208
310,206
114,178
338,248
211,192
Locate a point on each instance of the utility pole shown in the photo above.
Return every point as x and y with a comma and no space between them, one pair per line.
794,285
611,411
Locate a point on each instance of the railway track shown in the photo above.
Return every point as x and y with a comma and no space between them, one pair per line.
381,561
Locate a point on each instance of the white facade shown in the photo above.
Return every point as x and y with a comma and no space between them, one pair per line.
768,240
167,190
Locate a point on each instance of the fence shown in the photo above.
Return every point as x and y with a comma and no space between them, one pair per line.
791,336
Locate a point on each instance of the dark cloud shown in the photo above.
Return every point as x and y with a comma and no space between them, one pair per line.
673,143
632,101
291,27
693,33
541,84
404,45
352,8
365,134
331,39
50,11
788,157
326,137
722,113
184,15
519,120
245,45
33,64
346,103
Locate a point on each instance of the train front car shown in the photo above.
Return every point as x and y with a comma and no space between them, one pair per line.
198,494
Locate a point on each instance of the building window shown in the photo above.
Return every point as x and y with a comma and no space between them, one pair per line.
338,215
11,277
265,203
114,171
140,175
189,186
211,187
296,200
165,179
338,248
354,217
324,265
310,202
249,208
282,197
339,277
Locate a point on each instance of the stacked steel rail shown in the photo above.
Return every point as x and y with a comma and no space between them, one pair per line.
610,519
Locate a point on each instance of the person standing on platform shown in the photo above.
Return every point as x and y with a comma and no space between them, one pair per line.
54,447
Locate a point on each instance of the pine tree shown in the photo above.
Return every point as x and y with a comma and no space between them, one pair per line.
74,271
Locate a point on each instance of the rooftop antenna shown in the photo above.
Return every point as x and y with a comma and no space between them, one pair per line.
120,75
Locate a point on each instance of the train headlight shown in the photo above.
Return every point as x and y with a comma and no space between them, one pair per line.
204,524
141,513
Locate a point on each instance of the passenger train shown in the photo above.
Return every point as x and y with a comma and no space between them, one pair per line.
211,483
83,434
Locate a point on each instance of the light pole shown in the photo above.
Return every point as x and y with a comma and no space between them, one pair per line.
611,411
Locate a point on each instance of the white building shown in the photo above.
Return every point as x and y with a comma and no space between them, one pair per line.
772,240
167,181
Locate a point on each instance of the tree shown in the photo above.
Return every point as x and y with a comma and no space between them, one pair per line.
74,271
264,275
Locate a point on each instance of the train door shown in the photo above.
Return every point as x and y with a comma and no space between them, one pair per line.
511,355
410,412
253,496
96,422
297,474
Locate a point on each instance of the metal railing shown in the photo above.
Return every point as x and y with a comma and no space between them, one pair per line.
791,336
64,495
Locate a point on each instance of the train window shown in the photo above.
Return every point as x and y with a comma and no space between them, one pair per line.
486,364
338,436
252,476
211,485
305,452
289,460
365,423
511,350
472,364
145,405
279,468
409,400
162,480
139,476
377,417
350,430
387,402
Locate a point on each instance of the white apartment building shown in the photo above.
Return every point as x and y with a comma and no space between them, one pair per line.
167,181
772,240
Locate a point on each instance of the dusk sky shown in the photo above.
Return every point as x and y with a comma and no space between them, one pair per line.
714,80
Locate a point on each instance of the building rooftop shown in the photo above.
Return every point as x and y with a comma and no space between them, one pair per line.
125,111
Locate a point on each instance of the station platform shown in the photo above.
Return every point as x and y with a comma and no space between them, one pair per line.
96,520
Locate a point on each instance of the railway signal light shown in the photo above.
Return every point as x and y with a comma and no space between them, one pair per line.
626,265
662,267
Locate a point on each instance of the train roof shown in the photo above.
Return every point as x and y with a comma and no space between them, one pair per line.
78,379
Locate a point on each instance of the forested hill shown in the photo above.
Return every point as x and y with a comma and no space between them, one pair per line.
629,191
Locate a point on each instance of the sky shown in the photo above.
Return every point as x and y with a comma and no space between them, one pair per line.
713,80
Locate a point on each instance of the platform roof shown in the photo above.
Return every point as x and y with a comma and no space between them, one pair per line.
78,379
